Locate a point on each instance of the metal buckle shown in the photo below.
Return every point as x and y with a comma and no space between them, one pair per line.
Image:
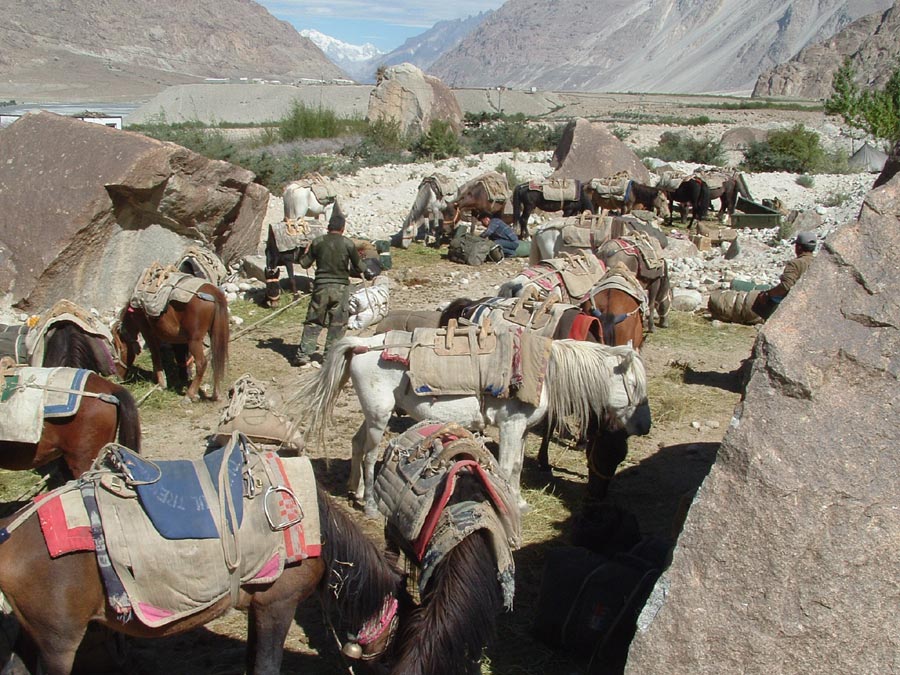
285,525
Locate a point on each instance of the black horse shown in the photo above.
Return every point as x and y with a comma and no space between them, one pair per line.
526,199
694,192
274,258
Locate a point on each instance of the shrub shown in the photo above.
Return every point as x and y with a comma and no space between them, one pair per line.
439,142
836,199
796,150
306,122
805,181
383,143
509,171
492,133
673,147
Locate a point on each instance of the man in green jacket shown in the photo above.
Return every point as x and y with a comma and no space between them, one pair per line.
804,248
335,256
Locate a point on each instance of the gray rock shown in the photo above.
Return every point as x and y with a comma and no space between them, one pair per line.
685,300
105,204
789,560
588,150
414,99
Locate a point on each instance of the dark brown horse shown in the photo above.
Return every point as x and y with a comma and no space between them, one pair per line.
105,409
731,185
655,280
182,323
693,192
525,199
351,574
69,346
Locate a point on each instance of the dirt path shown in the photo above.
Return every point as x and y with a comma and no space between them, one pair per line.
692,368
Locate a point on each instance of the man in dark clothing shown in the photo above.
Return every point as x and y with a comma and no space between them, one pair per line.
497,230
768,301
335,256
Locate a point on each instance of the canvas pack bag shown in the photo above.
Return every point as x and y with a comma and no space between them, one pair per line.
470,249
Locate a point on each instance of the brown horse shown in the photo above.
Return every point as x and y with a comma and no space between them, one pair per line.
637,195
351,573
654,280
525,199
182,323
105,408
726,187
475,197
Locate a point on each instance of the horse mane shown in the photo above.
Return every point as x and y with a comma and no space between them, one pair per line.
446,634
358,577
581,373
71,347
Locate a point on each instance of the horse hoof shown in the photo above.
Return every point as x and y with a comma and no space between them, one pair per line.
186,400
371,511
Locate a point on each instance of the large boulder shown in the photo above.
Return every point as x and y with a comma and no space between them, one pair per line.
789,560
588,150
85,208
413,99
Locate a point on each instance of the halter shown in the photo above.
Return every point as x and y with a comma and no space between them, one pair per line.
372,630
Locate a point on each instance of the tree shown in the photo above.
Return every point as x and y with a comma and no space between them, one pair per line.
875,112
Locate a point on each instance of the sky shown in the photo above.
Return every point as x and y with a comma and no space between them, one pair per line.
384,24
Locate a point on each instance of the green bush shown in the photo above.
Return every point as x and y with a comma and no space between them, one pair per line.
383,143
439,142
509,171
796,150
191,135
874,111
676,147
307,122
805,181
505,133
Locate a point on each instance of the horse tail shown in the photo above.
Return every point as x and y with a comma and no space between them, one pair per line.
220,336
446,634
319,392
271,251
129,422
358,577
517,201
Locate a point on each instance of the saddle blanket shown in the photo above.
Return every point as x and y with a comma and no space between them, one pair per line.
202,263
586,237
13,342
539,317
443,186
620,278
415,488
460,361
615,187
32,394
67,311
713,179
671,180
495,184
322,188
166,580
577,273
158,286
556,189
292,235
647,246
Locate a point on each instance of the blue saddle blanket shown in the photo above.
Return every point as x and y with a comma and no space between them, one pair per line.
171,494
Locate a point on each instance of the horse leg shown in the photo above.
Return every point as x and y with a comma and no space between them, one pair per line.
511,455
153,344
269,619
195,346
544,450
605,452
362,463
289,266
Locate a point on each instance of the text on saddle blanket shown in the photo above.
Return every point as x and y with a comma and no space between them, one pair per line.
158,286
416,483
273,500
30,395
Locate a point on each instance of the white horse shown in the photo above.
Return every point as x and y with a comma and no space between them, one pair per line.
300,201
585,382
547,242
427,205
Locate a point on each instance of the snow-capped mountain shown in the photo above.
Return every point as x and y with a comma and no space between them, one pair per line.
344,54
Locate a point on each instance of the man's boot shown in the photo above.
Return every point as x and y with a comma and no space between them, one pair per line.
308,344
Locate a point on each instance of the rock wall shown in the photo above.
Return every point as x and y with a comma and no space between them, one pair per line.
789,558
869,42
84,208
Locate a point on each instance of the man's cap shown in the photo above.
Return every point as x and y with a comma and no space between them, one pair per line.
807,240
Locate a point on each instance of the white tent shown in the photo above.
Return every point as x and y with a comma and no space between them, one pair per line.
868,158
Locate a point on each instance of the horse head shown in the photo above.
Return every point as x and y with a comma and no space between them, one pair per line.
628,393
125,341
